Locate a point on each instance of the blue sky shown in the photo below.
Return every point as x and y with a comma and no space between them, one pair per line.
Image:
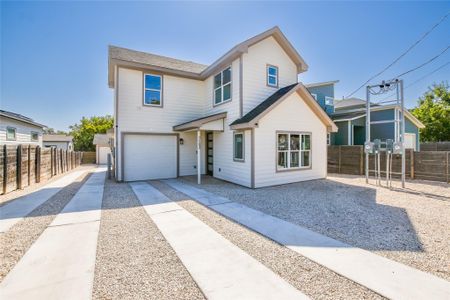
54,54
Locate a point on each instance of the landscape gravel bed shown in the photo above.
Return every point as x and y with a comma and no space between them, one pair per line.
410,226
18,239
309,277
134,261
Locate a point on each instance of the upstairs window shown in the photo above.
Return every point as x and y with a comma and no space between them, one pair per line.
293,151
272,76
10,134
34,136
329,101
238,146
222,86
152,90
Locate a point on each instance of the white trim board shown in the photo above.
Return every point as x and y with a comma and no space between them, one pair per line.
384,276
221,269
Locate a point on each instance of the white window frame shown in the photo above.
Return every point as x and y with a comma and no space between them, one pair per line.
329,101
31,136
154,90
243,147
289,151
15,133
268,75
314,96
222,87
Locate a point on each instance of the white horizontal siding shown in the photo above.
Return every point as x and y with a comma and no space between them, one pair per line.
255,61
183,100
23,132
59,145
188,153
290,115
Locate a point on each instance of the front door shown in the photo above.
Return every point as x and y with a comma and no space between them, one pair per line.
209,153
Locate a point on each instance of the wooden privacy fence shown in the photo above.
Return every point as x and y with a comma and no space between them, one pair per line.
25,165
436,146
428,165
89,158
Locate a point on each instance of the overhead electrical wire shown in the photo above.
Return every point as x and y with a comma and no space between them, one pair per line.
402,55
421,78
423,64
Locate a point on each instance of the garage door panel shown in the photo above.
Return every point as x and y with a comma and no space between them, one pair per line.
150,157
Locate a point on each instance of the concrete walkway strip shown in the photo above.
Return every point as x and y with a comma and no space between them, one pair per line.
384,276
15,211
221,269
61,263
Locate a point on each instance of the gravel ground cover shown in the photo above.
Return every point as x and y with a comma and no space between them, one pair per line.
410,226
312,279
19,238
134,261
11,196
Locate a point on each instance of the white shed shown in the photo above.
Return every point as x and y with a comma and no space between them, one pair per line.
102,148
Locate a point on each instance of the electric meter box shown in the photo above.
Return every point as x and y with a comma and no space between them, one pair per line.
398,148
368,147
390,145
377,145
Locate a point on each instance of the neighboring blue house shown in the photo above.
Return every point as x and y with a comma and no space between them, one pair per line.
350,117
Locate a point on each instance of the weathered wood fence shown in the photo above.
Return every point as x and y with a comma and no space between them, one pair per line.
25,165
89,158
428,165
436,146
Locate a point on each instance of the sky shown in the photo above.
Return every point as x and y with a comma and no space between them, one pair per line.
54,54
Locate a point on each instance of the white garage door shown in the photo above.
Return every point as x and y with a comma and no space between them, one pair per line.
103,155
410,141
149,157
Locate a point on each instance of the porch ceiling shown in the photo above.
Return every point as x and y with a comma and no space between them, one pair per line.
211,123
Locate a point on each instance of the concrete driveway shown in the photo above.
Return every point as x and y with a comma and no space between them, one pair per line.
95,238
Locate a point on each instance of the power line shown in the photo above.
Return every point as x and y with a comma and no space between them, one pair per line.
420,79
423,64
403,54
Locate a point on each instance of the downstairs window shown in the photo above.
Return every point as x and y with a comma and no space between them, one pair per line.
293,151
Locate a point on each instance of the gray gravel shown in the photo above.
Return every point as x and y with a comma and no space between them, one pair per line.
18,239
134,261
410,226
309,277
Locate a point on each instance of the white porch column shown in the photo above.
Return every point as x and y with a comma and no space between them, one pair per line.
198,159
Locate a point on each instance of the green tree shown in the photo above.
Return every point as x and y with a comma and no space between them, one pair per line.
83,133
434,112
53,131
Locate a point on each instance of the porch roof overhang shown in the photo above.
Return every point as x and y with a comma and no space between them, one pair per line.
213,122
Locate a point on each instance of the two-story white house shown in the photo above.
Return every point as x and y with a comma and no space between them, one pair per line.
245,118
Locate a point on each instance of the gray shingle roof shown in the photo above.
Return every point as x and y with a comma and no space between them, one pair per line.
264,105
20,117
155,60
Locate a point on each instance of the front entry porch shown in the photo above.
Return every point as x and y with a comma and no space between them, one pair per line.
209,125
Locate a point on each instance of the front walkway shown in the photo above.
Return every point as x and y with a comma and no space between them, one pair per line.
100,239
386,277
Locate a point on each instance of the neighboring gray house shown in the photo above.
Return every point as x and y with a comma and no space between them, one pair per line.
60,141
349,115
17,129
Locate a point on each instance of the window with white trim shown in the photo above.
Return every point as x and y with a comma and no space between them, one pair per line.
314,96
272,76
10,134
293,151
34,136
238,146
222,86
329,101
152,90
